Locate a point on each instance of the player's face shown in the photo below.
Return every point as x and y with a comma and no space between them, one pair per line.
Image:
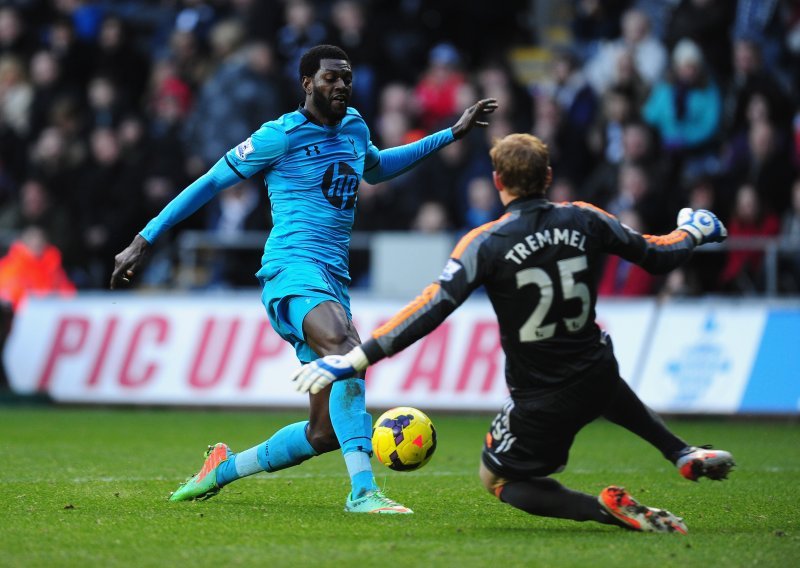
331,88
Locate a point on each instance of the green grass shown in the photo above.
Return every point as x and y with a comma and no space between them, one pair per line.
88,488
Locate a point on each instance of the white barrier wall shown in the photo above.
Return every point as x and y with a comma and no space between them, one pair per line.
210,350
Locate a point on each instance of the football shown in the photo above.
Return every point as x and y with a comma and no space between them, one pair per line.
403,438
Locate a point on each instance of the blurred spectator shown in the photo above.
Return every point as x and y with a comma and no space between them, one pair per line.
431,217
495,80
561,190
759,20
638,147
444,178
109,205
790,237
74,57
118,58
595,21
702,271
261,18
56,160
707,23
32,266
743,269
649,54
243,92
301,31
572,92
105,109
48,88
685,110
628,80
635,194
196,17
760,159
606,135
239,208
437,89
349,30
35,206
15,39
16,95
483,203
569,154
190,63
752,79
623,278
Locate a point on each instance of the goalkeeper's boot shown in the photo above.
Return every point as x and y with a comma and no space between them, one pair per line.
204,485
696,462
619,503
375,502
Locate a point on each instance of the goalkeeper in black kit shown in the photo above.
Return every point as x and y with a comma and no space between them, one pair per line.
538,264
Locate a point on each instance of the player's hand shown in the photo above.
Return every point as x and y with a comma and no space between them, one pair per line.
474,116
127,263
703,225
315,376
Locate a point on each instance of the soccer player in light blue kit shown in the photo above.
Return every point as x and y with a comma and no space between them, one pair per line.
313,160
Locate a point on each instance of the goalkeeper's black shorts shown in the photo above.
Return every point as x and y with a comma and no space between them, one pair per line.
532,435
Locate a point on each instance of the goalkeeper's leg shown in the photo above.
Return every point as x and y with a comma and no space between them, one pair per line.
546,497
693,462
628,411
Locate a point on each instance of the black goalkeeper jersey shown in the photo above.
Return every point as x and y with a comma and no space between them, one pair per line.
539,264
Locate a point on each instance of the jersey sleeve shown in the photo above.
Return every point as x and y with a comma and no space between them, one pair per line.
381,165
194,196
264,147
657,254
465,270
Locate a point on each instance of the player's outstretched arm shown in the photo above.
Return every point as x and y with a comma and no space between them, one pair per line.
702,225
474,116
382,165
128,262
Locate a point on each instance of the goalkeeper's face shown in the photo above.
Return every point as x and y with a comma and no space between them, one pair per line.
331,88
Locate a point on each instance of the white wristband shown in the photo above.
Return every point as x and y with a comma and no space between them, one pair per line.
357,359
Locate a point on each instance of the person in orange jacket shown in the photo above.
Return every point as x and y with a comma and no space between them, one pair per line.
31,266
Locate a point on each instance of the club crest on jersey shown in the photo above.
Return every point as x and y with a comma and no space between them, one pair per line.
449,270
244,149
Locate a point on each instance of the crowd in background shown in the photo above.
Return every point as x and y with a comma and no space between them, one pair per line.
109,109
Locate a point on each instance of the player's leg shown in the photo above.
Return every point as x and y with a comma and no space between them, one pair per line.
291,445
528,441
287,447
628,411
545,497
329,330
525,485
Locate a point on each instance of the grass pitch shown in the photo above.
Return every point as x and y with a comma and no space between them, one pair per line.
87,487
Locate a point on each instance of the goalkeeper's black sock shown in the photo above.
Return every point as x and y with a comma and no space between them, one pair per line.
628,411
548,498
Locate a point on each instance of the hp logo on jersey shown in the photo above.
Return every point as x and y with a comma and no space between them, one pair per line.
340,185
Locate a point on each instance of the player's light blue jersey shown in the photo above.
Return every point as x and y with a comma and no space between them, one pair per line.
312,172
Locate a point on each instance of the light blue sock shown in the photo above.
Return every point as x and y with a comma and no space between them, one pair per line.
353,427
287,447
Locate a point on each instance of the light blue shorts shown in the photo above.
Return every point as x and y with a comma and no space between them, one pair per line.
290,291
